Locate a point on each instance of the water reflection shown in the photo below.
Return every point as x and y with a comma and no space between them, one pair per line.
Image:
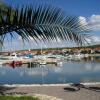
70,71
34,72
95,59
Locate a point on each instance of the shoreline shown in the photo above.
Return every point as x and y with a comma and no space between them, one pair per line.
40,85
91,91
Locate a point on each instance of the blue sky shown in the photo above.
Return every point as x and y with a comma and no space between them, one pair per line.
88,11
76,7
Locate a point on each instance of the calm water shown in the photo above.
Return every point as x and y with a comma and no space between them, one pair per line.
70,71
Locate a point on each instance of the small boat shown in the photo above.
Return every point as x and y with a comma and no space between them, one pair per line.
15,63
43,63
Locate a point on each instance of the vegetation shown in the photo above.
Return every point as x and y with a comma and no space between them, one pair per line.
61,48
41,23
18,98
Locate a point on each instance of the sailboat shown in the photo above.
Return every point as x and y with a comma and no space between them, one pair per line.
43,59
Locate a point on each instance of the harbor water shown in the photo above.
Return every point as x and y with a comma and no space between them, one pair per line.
61,73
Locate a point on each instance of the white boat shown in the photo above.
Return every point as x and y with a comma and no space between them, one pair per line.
79,56
86,55
70,56
43,63
13,56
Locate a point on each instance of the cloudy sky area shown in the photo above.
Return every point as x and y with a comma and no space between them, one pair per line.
88,12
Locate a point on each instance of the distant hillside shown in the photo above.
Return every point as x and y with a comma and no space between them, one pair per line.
91,46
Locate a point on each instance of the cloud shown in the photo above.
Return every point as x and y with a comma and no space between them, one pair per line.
83,20
95,19
93,22
94,40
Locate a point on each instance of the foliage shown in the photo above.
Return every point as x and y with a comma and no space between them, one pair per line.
46,23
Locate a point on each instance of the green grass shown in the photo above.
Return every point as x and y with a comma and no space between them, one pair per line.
18,98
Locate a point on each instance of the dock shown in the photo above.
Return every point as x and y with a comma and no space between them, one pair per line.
32,61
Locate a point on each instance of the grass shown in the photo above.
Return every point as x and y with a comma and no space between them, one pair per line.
18,98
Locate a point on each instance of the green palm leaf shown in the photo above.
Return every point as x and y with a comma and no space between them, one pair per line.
46,23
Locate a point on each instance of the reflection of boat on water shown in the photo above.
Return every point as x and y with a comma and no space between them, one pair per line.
1,63
60,63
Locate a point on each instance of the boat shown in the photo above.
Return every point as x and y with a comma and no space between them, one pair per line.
13,56
43,63
16,57
15,63
79,56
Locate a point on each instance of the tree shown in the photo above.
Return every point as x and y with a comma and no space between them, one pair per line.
46,23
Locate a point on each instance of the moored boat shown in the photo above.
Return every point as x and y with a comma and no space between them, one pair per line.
15,63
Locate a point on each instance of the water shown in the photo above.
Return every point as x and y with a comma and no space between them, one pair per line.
69,72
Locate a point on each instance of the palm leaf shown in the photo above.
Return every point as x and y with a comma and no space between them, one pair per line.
46,23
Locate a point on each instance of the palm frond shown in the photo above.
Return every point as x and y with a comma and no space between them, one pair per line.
46,23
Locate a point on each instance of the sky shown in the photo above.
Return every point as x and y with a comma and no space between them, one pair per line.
88,12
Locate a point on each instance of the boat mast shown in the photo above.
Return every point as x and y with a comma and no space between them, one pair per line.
41,48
